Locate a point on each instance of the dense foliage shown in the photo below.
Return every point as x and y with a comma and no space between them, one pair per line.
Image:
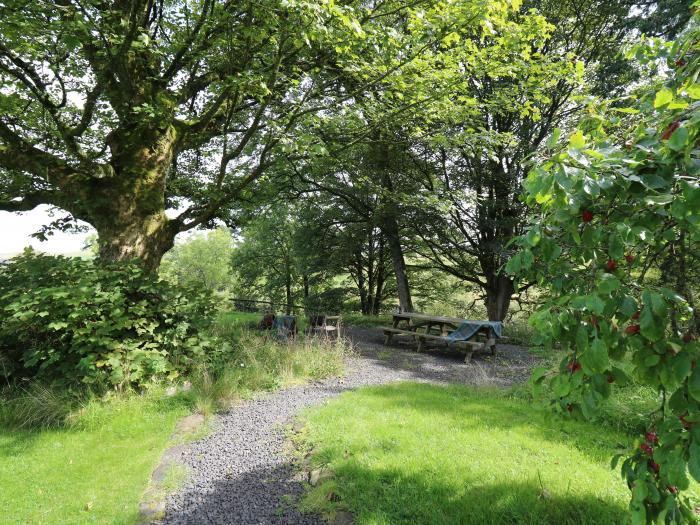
68,321
614,244
202,260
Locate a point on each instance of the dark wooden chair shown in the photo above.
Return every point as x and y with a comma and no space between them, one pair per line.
267,322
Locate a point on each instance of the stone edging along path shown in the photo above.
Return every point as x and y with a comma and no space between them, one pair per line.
240,473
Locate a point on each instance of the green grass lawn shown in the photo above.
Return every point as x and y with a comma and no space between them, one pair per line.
93,471
416,453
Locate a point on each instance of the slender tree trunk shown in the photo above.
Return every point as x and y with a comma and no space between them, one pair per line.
288,284
371,273
360,281
381,278
305,280
391,232
388,223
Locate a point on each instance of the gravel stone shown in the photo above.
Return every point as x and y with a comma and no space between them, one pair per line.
240,473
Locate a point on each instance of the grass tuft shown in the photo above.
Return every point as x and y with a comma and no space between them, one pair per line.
34,405
259,362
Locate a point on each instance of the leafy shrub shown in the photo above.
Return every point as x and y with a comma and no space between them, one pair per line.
69,321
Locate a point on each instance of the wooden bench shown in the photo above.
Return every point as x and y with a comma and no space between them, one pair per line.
389,332
469,346
421,338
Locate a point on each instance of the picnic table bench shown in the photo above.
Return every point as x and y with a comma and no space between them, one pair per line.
460,333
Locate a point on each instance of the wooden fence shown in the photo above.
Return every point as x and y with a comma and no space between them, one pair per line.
250,305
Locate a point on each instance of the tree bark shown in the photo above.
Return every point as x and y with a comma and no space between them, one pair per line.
127,208
288,285
390,228
499,291
305,281
402,285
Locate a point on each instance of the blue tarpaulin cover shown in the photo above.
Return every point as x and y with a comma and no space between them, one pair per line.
285,325
467,329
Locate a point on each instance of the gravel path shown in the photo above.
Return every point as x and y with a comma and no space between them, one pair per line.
240,474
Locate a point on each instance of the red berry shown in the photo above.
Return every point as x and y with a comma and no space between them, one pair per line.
611,378
686,424
670,129
652,438
587,216
687,338
653,465
594,321
574,366
570,407
632,329
646,449
636,315
673,489
611,265
629,258
680,62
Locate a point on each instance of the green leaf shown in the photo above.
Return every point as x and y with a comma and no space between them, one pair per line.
693,91
533,237
663,97
694,460
679,139
553,138
595,304
596,357
694,384
577,140
650,326
615,247
608,284
538,374
658,199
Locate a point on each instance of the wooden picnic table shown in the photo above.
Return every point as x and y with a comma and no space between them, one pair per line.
435,328
414,321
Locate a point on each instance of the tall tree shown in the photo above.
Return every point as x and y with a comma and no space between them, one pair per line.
114,111
202,260
478,178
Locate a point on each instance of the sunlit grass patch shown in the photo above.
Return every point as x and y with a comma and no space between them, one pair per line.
416,453
92,469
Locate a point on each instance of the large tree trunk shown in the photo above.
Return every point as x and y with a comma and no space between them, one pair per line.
499,291
145,238
128,208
